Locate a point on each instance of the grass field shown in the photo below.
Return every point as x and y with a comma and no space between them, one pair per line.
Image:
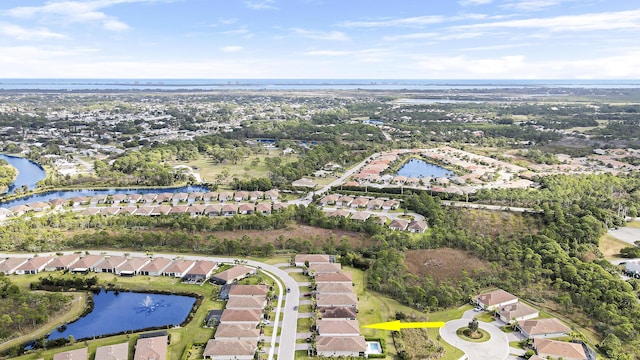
633,224
610,246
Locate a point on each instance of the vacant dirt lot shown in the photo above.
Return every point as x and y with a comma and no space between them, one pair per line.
444,263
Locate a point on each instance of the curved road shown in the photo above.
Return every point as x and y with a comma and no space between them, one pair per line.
497,348
286,348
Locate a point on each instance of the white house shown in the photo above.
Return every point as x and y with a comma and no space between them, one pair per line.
340,346
495,299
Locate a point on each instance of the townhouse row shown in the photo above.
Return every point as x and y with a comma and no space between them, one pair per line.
151,346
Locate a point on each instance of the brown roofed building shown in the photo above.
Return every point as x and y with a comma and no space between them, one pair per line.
132,266
62,262
179,209
34,265
179,268
237,332
78,354
495,299
271,194
546,348
334,278
337,312
246,302
161,210
237,272
110,264
399,224
113,352
155,267
144,210
323,268
338,328
226,349
543,328
251,316
153,348
418,226
517,312
301,259
201,271
346,299
249,290
263,208
334,288
345,346
213,210
10,265
87,263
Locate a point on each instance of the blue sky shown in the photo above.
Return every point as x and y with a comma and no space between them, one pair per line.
380,39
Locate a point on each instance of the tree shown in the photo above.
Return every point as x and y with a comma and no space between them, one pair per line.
611,345
473,326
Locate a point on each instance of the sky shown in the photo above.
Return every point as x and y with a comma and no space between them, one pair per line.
320,39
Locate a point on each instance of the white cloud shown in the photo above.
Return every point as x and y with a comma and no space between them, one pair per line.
411,21
622,20
328,53
474,2
260,5
73,11
319,35
231,48
20,33
532,5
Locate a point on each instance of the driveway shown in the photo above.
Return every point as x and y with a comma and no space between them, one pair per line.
497,348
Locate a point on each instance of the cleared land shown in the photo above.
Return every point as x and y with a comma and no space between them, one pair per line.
444,263
610,246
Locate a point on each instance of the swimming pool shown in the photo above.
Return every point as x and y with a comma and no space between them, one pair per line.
373,347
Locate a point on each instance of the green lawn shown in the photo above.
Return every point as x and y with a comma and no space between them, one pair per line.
485,316
299,277
304,325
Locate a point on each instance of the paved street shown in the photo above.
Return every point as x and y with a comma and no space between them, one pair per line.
497,348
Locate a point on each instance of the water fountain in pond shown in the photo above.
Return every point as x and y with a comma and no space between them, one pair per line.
148,305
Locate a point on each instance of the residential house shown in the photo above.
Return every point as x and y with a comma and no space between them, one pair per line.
62,262
337,312
179,268
241,195
210,196
237,332
246,302
128,210
86,263
263,208
213,210
179,209
98,199
360,216
279,206
495,299
90,211
119,198
227,349
78,354
149,198
543,328
329,199
334,278
337,327
390,205
161,210
135,198
271,194
155,267
359,202
246,209
399,224
110,264
323,268
375,204
307,183
164,197
57,203
229,210
5,213
256,195
109,211
418,226
10,265
195,196
301,260
339,213
34,265
345,299
248,290
132,266
196,209
235,273
345,201
340,346
80,200
152,348
334,288
39,206
213,318
200,272
225,196
180,197
244,316
113,352
144,210
517,312
19,210
546,348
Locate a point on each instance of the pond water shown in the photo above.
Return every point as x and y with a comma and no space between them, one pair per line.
68,194
29,173
127,311
420,169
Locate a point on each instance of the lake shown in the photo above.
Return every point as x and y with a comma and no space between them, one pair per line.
68,194
29,173
420,169
127,311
